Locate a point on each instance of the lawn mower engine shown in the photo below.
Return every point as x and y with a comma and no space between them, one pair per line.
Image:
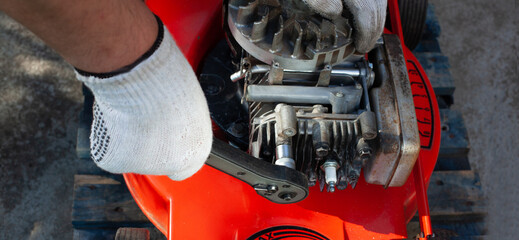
299,116
289,87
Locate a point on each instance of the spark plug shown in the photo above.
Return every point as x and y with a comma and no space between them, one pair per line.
330,174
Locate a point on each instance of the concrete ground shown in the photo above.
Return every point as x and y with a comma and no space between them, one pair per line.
480,39
40,102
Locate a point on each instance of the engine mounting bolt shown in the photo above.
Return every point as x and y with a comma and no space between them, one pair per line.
339,94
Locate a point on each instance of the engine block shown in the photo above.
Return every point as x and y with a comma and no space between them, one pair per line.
288,87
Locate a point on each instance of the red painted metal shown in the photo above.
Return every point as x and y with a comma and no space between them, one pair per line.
214,205
423,204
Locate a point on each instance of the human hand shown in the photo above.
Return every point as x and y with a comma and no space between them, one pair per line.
368,18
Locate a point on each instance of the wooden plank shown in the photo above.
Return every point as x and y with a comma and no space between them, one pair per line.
81,180
462,229
109,234
450,230
454,146
428,45
91,234
456,196
454,137
452,163
104,202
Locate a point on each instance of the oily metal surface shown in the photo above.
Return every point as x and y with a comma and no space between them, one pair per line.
399,142
410,140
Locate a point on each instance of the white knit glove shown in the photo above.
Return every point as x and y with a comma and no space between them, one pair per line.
326,8
369,17
153,119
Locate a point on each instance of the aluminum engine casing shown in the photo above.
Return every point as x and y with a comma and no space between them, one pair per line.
328,118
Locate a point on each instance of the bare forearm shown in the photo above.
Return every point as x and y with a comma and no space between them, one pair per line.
95,36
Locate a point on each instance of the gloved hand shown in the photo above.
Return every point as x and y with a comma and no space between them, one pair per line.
152,119
368,18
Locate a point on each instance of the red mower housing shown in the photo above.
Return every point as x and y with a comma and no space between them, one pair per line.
214,205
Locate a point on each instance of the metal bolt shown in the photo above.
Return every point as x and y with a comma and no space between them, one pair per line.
289,132
265,190
339,94
287,196
369,135
331,187
272,188
365,153
237,129
321,151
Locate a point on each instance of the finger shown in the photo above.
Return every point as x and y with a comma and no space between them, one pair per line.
326,8
368,21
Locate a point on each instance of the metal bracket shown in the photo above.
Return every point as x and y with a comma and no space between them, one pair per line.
278,184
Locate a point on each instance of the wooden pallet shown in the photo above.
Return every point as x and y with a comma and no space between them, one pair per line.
102,203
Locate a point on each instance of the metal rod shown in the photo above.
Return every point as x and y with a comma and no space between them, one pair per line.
298,94
350,72
343,99
421,200
288,94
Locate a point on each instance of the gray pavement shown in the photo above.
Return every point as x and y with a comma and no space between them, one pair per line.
40,102
480,39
